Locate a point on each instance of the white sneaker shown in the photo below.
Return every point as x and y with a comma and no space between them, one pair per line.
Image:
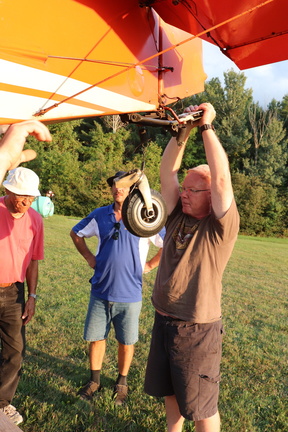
10,411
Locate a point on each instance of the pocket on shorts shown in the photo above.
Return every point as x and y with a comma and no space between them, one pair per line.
208,395
212,380
214,340
203,338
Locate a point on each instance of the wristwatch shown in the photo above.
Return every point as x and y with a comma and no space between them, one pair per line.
32,295
206,127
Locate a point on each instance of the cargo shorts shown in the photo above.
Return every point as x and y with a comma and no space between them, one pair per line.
184,361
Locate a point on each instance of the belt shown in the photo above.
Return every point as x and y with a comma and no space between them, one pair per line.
4,285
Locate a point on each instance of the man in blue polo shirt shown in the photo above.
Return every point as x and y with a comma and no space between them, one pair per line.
116,287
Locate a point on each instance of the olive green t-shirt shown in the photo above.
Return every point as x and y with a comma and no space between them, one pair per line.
188,284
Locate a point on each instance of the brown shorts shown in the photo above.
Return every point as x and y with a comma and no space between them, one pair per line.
184,361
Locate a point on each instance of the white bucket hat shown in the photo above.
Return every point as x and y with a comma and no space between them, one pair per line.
22,181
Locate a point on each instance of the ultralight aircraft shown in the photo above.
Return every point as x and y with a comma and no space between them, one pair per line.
71,59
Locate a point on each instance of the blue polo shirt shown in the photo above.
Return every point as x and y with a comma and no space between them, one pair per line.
119,262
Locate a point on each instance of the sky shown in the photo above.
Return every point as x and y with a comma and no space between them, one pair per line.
267,82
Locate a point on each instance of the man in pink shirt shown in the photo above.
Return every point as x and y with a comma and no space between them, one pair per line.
21,246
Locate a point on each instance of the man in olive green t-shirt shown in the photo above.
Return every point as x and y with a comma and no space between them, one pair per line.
201,230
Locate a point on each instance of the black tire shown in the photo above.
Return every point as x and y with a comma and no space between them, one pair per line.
134,214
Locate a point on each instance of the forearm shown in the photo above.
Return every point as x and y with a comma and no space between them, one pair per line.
221,186
173,155
170,164
153,262
216,156
31,280
32,276
83,249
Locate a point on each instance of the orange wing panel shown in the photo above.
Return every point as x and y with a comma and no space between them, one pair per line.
248,37
69,59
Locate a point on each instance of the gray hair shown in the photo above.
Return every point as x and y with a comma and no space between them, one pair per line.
203,171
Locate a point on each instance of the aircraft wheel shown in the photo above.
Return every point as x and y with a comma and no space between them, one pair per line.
135,218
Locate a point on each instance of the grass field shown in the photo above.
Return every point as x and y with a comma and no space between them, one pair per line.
253,393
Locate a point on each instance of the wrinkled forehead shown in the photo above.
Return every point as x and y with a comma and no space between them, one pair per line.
196,179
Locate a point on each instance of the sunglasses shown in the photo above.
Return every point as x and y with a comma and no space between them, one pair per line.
115,235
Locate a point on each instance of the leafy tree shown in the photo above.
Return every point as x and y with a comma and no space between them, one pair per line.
284,111
260,207
113,122
259,121
232,127
249,196
65,137
231,104
151,158
283,114
269,156
273,155
84,153
101,157
58,168
107,153
194,154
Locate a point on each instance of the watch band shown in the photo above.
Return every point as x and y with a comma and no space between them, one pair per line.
206,127
32,295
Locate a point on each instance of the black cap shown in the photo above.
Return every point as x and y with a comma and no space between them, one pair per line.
118,174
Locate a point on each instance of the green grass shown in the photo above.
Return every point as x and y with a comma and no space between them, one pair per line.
254,367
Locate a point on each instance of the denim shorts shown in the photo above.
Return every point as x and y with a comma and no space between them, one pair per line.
184,361
124,316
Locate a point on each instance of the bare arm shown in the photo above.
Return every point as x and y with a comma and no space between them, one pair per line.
83,249
12,143
221,186
32,280
153,262
169,167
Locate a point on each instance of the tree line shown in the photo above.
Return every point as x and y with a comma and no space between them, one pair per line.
86,152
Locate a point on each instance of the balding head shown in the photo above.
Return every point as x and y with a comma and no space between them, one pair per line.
203,171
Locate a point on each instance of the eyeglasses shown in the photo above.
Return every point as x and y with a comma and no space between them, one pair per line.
190,190
115,235
25,197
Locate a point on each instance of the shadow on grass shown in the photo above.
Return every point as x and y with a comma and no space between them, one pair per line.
47,397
